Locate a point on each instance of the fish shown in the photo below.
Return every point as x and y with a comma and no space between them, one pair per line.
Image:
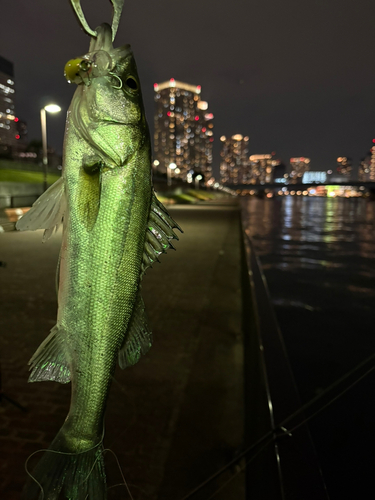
113,229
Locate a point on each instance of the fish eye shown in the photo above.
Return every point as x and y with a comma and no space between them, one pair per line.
131,82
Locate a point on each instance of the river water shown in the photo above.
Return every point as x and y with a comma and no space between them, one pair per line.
318,256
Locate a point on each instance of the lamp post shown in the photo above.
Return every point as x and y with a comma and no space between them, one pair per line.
197,179
51,108
170,167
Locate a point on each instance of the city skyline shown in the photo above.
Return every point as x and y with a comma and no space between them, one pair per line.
304,90
183,137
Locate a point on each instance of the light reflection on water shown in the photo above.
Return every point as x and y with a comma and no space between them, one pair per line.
319,253
320,232
318,256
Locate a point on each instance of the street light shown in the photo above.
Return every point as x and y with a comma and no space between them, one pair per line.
170,167
197,179
51,108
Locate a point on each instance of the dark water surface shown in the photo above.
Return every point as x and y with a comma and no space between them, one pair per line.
318,256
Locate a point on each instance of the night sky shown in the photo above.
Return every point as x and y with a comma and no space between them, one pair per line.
297,77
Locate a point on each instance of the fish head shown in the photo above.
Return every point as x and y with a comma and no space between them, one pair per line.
107,108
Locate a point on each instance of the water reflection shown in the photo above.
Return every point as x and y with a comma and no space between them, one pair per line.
318,256
312,224
318,252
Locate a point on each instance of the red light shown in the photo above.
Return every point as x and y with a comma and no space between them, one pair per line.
198,87
168,113
373,140
155,85
17,136
16,119
204,129
196,118
171,80
211,139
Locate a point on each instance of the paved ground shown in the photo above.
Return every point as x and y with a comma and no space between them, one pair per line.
175,417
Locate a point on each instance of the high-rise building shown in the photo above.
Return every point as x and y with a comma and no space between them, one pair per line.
234,163
262,168
364,169
365,172
9,135
298,166
344,166
183,136
371,173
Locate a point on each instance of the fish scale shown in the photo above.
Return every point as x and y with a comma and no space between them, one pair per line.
115,262
114,228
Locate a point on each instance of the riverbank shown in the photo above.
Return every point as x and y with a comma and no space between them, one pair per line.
175,417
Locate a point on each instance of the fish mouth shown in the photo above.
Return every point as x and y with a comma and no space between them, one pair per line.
97,63
101,59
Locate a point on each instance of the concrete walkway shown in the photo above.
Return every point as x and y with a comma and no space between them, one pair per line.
175,417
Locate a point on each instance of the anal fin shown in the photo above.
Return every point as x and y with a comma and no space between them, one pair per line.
49,361
138,338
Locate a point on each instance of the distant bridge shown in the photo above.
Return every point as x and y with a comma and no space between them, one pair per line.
369,186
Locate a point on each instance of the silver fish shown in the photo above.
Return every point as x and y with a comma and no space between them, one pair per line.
114,228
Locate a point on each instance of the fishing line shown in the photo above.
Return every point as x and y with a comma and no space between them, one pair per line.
241,469
233,462
56,453
331,401
329,389
31,476
92,468
281,426
122,475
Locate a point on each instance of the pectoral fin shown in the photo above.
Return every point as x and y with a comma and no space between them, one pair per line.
138,338
47,212
158,234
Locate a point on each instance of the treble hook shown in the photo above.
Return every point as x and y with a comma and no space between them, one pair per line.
117,9
118,78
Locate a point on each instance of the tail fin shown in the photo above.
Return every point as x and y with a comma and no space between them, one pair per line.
61,475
